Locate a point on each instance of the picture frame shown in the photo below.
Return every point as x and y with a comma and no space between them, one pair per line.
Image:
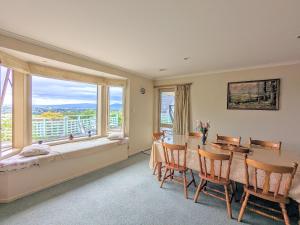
253,95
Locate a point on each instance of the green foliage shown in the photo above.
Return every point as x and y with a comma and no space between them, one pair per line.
52,115
120,116
6,127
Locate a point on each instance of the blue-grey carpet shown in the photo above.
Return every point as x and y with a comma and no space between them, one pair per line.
124,193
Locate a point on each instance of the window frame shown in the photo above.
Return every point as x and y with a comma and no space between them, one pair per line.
9,147
63,140
160,90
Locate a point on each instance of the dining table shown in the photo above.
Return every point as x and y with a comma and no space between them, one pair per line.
283,157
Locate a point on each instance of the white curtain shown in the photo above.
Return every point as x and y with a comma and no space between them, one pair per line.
182,109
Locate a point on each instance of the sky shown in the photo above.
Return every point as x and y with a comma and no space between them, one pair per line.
46,91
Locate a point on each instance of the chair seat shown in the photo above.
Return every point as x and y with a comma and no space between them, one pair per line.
174,166
268,196
214,179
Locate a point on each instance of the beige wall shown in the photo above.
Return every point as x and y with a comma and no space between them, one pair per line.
140,114
209,96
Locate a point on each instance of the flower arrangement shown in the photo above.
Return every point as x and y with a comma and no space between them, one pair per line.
203,128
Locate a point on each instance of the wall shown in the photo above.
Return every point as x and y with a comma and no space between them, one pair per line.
209,102
140,114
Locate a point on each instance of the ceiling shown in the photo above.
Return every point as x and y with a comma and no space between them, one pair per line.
145,36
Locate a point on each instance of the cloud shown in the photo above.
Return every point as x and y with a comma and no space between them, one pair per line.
47,91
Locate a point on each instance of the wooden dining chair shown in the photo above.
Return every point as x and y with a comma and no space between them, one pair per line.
156,137
264,191
265,144
195,134
175,160
229,140
214,175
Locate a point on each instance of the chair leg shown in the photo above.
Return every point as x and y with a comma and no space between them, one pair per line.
285,215
242,210
171,174
185,184
229,211
234,190
159,165
155,168
164,178
242,197
199,189
193,178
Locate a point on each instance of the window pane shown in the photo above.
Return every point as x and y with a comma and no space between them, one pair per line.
115,109
167,99
6,106
61,108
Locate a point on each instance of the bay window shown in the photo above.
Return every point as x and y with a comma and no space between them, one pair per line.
46,104
6,105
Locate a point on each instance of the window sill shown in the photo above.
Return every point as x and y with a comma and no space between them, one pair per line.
65,141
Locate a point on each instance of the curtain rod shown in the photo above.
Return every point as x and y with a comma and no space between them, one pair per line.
170,85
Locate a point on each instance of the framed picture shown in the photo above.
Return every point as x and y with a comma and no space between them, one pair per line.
254,95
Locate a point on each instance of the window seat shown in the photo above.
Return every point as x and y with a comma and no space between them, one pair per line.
20,176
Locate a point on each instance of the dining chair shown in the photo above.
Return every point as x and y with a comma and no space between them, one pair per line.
175,160
283,179
265,144
195,134
214,175
229,140
156,136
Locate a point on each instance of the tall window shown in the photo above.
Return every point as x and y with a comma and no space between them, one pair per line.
61,109
166,114
115,118
6,106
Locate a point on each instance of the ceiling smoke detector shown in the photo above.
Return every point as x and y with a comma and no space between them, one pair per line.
162,69
186,58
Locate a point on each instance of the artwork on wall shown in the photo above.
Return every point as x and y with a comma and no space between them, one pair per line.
254,95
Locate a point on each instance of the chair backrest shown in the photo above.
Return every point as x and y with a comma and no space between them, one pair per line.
268,170
195,134
175,154
158,135
213,158
229,140
266,144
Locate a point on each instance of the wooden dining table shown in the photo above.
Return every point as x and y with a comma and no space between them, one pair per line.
284,157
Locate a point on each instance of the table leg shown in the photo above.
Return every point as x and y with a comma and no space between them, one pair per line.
159,171
299,214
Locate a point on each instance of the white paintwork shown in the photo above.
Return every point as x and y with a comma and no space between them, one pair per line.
144,36
56,64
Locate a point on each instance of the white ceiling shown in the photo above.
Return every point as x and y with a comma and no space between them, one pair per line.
144,36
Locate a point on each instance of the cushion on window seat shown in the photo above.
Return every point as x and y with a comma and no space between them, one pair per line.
34,150
116,136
